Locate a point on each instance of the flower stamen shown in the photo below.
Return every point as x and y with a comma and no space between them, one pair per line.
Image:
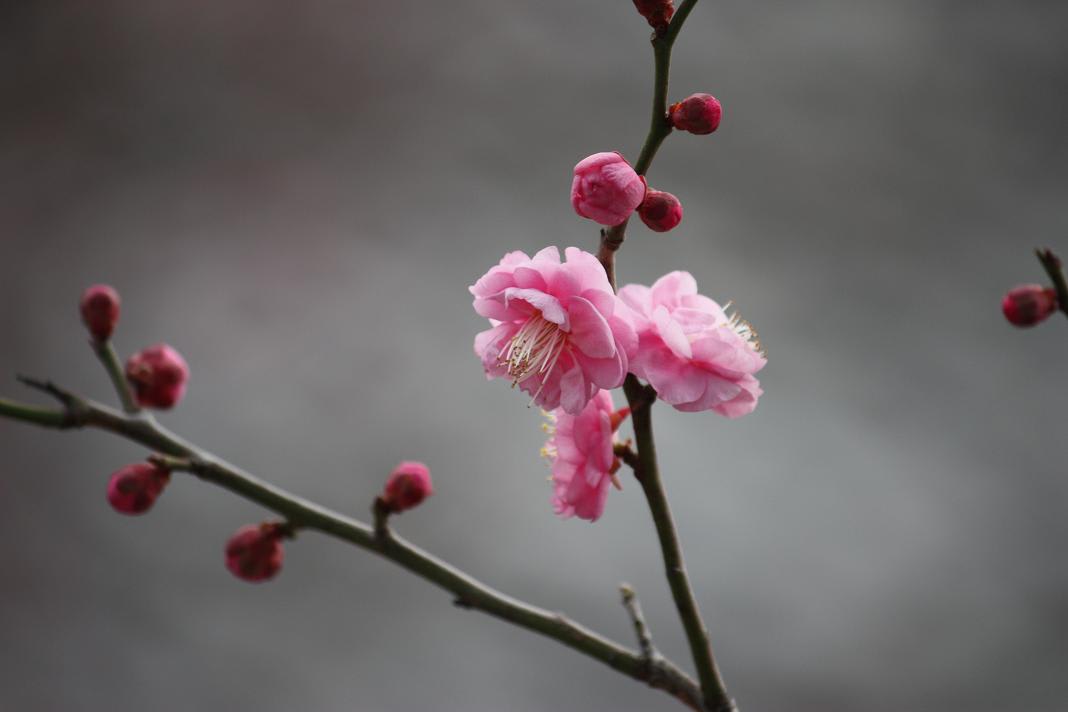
533,350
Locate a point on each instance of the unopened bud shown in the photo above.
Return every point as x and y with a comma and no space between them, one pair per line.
135,488
158,375
254,552
660,211
606,189
407,486
100,310
1029,304
657,12
698,114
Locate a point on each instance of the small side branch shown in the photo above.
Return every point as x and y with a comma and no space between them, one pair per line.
1052,264
105,352
641,630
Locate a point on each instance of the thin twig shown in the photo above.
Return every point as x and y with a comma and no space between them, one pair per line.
1052,264
659,128
180,455
641,630
110,361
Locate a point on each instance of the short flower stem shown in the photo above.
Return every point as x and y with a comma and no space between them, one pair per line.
110,360
1052,264
179,455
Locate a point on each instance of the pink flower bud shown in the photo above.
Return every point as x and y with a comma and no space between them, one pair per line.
1029,304
407,486
254,552
698,114
135,488
657,12
606,189
660,211
100,310
158,375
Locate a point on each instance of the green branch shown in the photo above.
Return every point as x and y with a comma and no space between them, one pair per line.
110,361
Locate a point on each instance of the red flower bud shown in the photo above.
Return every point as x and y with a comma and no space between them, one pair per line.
1029,304
135,488
158,375
657,12
254,552
660,211
698,114
407,486
100,310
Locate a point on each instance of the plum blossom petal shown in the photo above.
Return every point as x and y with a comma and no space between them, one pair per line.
695,355
580,452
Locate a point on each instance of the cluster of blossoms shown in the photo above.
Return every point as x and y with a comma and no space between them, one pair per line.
606,189
561,334
559,331
158,376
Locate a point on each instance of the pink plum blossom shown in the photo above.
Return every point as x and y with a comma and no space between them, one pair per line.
693,354
583,462
558,331
606,189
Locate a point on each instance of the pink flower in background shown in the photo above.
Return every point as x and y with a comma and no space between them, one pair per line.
583,463
1029,304
606,189
558,331
690,351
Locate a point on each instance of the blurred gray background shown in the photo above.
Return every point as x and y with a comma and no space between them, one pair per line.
296,196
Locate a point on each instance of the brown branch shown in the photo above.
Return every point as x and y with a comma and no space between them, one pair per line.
180,455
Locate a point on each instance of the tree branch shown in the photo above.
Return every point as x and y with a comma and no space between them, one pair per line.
181,455
713,689
659,128
641,398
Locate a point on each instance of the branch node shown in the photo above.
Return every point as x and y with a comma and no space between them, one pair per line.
626,453
381,511
76,410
